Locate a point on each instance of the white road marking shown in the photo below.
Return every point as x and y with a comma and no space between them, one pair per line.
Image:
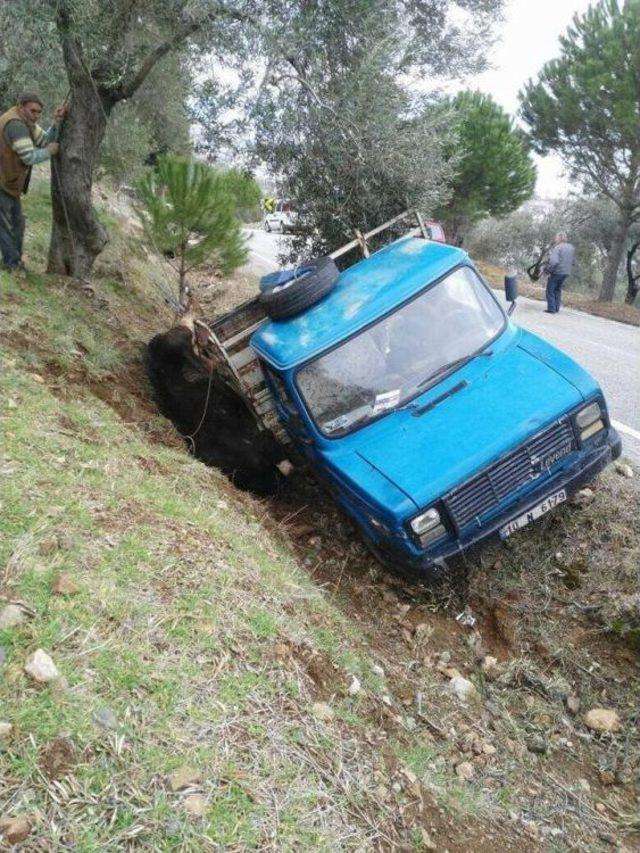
627,430
264,258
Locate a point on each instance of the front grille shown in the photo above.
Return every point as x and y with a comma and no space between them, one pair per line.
480,495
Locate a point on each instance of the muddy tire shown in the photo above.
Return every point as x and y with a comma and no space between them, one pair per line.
296,295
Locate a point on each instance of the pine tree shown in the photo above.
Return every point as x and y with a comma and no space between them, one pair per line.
188,211
494,171
585,106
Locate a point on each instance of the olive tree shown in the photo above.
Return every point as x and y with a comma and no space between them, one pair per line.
108,49
341,126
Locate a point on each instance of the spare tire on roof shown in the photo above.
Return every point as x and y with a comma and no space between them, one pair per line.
275,279
316,279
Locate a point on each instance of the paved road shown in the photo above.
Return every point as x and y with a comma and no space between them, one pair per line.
609,350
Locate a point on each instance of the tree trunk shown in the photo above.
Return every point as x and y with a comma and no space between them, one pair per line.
77,237
633,281
614,256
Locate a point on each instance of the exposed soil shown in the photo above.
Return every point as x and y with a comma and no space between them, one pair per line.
58,757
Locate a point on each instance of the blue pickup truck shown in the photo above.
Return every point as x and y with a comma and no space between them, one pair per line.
433,419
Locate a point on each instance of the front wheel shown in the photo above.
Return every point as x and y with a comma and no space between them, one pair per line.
431,575
267,227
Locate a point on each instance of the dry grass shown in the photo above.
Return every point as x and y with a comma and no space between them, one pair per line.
618,311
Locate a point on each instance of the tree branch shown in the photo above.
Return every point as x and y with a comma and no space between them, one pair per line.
129,86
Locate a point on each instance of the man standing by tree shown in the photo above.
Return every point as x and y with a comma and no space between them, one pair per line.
559,266
23,144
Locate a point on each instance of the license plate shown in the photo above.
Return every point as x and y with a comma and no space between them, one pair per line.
543,507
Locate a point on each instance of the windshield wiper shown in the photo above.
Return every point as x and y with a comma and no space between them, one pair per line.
458,362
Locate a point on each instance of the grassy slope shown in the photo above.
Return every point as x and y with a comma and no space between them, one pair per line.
199,630
192,624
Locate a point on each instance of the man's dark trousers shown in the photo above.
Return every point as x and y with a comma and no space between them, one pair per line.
11,230
554,292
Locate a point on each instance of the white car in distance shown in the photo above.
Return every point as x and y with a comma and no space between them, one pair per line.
283,219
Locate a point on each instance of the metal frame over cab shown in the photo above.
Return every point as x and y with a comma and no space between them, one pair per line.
490,447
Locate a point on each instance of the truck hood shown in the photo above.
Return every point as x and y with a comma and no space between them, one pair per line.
507,398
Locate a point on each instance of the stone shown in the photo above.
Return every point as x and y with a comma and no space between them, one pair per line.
537,744
377,670
322,711
10,616
184,777
465,771
624,470
354,687
602,720
40,667
490,668
584,497
488,749
15,829
584,785
464,689
5,730
105,718
64,585
195,805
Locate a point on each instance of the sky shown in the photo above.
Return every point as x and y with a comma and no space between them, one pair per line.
527,39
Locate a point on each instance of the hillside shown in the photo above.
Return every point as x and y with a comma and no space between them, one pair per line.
239,674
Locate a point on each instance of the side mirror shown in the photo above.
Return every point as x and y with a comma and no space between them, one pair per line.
511,290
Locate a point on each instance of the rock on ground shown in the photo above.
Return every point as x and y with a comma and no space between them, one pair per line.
464,689
40,667
602,720
13,830
465,771
195,805
10,616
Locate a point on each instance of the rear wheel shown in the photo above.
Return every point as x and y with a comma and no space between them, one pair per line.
267,227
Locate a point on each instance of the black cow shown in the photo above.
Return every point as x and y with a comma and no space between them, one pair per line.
228,437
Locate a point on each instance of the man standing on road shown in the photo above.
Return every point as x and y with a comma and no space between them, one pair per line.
23,144
558,267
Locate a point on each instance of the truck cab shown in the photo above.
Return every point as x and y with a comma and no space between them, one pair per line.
433,419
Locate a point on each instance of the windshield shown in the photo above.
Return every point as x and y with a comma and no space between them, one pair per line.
389,363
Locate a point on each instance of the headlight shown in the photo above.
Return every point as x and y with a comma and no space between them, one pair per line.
588,415
589,421
425,521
